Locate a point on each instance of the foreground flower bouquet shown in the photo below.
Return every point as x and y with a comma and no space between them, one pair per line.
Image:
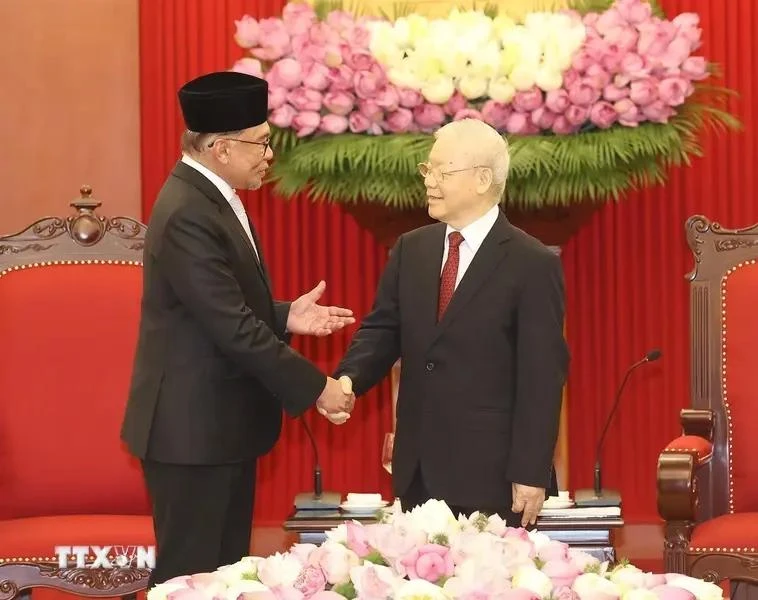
592,103
429,554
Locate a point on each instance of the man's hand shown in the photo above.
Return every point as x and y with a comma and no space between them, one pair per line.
308,318
334,400
346,384
529,500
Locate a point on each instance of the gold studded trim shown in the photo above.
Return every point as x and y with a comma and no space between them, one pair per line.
40,559
50,263
724,393
745,550
700,459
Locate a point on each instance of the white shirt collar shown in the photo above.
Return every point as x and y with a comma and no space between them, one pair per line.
227,190
474,233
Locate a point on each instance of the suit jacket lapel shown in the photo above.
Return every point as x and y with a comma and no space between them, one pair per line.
428,279
187,173
489,255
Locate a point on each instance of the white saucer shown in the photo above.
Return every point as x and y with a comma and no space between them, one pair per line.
362,509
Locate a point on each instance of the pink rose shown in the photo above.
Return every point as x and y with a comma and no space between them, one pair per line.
356,534
248,32
673,91
316,77
577,115
358,122
603,115
340,103
495,114
282,117
561,572
633,11
286,73
341,78
455,103
371,110
430,562
467,113
644,92
399,121
613,93
557,101
388,98
310,581
277,96
305,123
298,17
274,38
358,60
527,101
368,83
563,127
410,98
333,124
543,118
249,66
582,93
304,99
429,116
670,592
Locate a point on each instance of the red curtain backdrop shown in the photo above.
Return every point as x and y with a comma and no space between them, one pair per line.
626,290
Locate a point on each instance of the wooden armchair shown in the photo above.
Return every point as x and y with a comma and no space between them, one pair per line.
70,290
708,477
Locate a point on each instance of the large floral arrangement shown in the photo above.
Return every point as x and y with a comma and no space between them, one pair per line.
592,102
428,554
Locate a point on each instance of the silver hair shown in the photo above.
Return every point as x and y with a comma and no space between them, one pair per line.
483,145
193,142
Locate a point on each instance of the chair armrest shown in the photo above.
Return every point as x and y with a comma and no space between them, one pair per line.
676,478
697,422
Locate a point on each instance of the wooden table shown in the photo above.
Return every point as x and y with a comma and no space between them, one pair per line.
593,535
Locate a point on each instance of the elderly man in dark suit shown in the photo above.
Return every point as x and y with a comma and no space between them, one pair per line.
474,307
213,368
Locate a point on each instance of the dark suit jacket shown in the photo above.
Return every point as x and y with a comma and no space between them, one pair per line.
212,369
480,391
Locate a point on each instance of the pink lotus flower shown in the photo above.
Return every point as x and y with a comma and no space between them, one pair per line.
399,121
429,116
494,114
248,32
543,118
304,99
358,60
557,101
275,40
356,534
429,562
597,76
388,98
249,66
371,110
577,115
628,113
527,101
316,77
341,79
368,83
286,73
282,117
583,93
520,123
553,550
561,572
277,96
333,124
310,581
298,17
305,123
674,91
658,112
644,92
358,122
633,11
603,115
467,113
614,93
340,103
410,98
456,103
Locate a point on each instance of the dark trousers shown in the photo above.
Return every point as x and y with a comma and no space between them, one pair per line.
417,494
202,516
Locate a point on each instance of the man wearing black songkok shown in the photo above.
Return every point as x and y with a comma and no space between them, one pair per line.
213,369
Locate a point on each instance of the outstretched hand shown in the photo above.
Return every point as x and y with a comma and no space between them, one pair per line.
306,317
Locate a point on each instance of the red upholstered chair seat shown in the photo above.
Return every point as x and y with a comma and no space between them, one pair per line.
37,537
727,533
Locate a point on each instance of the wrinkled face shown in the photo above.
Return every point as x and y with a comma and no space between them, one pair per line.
455,187
244,159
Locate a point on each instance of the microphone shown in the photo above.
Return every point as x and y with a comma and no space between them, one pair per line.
597,496
318,499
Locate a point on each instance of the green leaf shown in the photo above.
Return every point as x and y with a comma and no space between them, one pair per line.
376,558
346,589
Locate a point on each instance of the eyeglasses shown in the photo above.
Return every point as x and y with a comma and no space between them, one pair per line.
426,169
266,144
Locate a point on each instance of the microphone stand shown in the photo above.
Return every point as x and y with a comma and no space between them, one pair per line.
597,496
318,500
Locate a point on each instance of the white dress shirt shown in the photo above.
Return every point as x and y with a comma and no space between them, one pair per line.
473,236
228,192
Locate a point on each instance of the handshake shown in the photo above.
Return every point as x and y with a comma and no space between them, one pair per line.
337,400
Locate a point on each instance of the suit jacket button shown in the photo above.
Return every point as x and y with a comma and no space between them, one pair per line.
430,366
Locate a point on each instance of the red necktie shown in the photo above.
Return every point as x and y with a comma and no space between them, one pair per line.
449,272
